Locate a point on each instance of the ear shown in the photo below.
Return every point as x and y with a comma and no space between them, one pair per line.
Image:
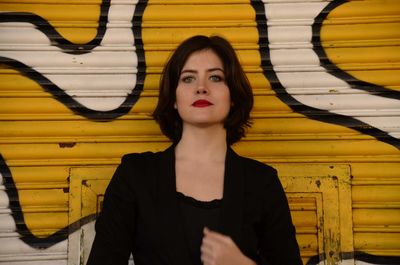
175,106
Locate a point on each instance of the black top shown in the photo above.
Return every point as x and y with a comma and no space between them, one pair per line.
196,215
141,214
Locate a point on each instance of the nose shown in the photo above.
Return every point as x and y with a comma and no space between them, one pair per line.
201,85
201,91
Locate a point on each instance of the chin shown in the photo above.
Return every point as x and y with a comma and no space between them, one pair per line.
206,123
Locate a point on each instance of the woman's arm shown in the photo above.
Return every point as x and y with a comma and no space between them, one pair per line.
115,226
277,235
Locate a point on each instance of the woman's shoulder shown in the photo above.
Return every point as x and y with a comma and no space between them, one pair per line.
142,156
259,174
129,157
137,162
137,168
258,166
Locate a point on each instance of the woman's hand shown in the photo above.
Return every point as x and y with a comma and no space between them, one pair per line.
218,249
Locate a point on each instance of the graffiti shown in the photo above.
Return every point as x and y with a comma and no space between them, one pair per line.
319,102
116,90
102,80
116,83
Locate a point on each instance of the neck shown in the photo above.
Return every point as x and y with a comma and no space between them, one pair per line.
202,144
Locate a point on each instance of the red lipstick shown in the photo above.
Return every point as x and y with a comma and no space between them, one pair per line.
201,103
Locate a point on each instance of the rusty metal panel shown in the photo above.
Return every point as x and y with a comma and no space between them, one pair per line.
87,187
330,186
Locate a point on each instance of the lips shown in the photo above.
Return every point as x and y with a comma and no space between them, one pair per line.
201,103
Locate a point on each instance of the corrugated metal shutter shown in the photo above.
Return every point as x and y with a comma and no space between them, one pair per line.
325,77
56,65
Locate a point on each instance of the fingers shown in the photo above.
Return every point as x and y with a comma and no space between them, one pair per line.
219,249
209,247
214,247
208,243
216,237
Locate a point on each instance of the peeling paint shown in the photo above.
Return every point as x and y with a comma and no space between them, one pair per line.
67,145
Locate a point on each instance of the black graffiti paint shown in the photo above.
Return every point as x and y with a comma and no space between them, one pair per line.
308,111
359,256
323,115
68,47
333,69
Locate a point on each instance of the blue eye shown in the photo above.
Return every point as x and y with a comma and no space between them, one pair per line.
187,79
216,78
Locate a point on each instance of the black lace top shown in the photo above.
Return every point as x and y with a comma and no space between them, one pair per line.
196,215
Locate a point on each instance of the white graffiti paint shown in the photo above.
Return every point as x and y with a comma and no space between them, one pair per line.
298,69
15,252
80,244
99,80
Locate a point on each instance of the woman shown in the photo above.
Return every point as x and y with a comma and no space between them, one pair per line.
197,202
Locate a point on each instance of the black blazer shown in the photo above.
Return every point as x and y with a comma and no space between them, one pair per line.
141,215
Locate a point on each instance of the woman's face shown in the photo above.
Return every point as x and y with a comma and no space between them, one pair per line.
202,96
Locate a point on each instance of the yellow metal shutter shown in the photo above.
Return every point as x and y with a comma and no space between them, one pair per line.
339,105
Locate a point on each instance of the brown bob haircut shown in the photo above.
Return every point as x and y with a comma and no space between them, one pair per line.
240,90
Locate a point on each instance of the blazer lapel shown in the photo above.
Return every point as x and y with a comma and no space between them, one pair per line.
172,233
171,230
230,222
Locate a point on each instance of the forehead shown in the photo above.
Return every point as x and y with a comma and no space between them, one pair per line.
206,59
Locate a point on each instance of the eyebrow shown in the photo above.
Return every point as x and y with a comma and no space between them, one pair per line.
208,70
